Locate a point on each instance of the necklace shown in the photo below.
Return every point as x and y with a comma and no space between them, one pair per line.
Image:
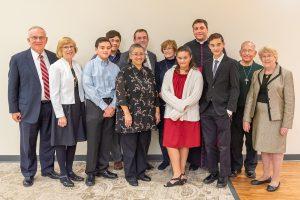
247,74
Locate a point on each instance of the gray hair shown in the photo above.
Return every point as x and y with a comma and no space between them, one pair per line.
36,27
248,43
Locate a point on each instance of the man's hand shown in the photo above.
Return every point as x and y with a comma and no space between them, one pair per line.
246,126
62,121
16,116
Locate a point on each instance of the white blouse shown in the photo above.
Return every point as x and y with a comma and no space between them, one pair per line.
61,82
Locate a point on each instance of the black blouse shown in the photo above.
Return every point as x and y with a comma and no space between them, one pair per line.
263,91
136,89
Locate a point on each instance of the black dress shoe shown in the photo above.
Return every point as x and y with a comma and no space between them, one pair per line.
257,182
90,180
193,167
132,181
144,177
75,177
108,174
235,173
222,182
28,181
163,165
271,188
149,166
66,181
51,174
211,178
250,174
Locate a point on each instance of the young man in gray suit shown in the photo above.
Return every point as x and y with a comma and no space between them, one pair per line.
30,105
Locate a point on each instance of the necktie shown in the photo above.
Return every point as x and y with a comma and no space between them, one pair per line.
215,67
45,77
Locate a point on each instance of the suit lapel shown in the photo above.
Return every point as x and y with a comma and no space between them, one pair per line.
31,65
209,73
276,74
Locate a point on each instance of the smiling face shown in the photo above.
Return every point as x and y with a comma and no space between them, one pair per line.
169,52
183,59
247,52
68,51
141,38
115,43
200,31
216,46
103,50
268,59
137,56
37,39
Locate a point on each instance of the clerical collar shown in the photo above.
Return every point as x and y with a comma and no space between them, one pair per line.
201,42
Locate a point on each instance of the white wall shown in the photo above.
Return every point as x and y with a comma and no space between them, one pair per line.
266,22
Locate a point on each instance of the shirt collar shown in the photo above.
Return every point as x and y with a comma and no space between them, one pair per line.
220,58
200,41
35,55
102,62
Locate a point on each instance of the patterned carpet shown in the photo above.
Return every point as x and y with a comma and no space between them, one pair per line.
44,188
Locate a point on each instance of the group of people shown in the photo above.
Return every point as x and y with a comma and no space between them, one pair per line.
117,99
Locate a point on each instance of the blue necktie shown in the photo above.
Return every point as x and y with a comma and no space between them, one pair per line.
215,67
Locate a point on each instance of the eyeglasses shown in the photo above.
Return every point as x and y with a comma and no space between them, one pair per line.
137,54
247,50
35,38
68,47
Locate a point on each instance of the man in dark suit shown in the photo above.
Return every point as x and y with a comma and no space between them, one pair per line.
29,104
218,102
141,37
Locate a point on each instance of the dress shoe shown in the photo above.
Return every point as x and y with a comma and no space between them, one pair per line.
144,177
222,182
51,174
108,174
211,178
75,177
235,173
90,180
132,181
250,174
257,182
118,165
163,165
193,167
28,181
271,188
66,181
149,166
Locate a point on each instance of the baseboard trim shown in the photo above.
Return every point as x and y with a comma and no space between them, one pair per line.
152,157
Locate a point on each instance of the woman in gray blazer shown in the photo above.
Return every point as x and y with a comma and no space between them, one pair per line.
270,107
67,97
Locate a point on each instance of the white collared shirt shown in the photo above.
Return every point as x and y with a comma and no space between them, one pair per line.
37,62
148,63
219,61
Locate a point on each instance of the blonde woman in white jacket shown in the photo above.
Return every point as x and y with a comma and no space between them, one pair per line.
181,90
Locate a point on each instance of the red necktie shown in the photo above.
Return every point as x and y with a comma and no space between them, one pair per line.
45,77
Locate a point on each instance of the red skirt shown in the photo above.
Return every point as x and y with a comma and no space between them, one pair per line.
178,134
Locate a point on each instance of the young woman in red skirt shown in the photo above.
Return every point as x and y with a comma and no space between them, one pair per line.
181,90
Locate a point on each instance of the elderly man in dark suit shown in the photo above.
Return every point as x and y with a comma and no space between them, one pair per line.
141,37
30,105
218,101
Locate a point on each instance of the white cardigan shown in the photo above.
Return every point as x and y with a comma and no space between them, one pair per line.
61,82
190,97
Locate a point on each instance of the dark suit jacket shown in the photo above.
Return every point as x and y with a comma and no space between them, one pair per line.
223,89
24,87
124,60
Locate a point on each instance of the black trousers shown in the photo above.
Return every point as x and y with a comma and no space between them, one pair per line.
99,137
65,157
160,127
237,142
216,135
135,153
29,133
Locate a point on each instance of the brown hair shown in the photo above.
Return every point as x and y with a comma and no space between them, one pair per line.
200,21
138,31
167,43
63,41
185,48
215,36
